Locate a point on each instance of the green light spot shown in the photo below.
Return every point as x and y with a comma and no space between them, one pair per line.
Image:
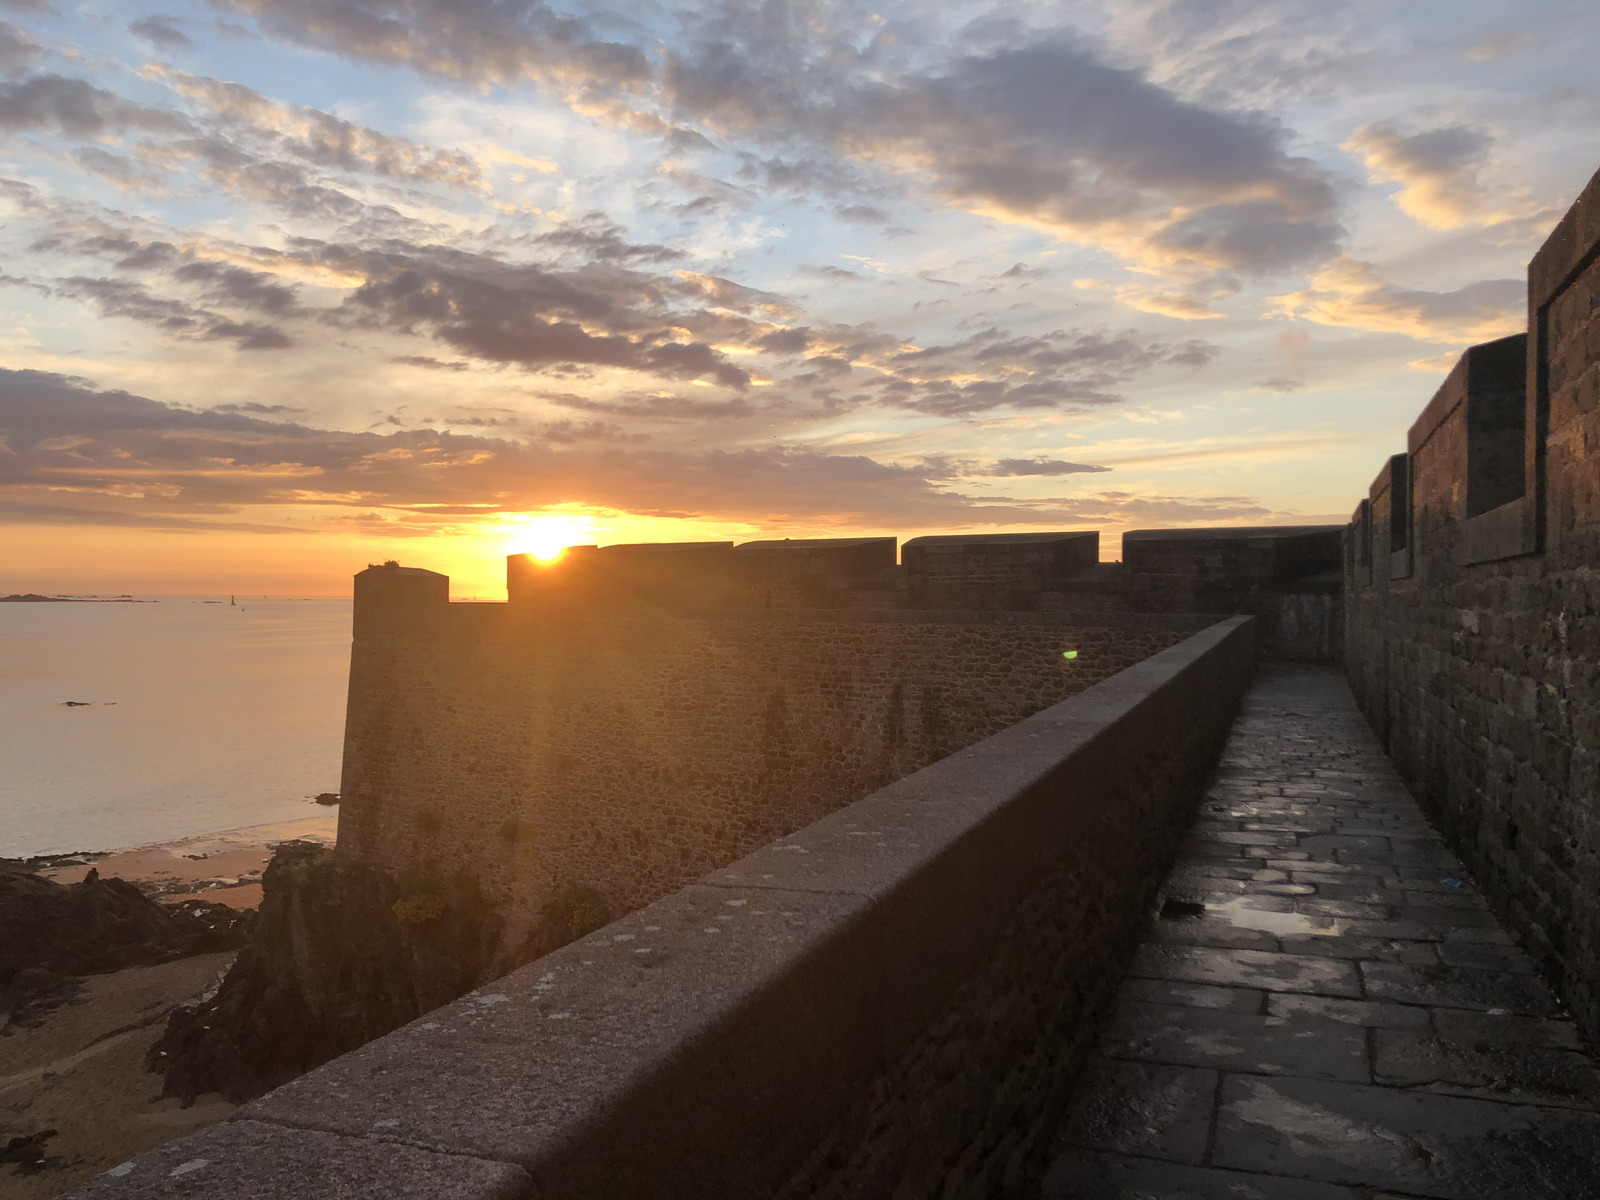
1069,654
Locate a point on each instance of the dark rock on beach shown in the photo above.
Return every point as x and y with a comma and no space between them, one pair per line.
52,934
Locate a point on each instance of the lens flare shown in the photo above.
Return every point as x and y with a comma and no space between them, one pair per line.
547,535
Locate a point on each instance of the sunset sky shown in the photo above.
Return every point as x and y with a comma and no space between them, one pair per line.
295,285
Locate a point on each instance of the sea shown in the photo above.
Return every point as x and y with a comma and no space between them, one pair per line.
123,724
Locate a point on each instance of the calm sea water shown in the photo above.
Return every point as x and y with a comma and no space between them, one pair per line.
197,718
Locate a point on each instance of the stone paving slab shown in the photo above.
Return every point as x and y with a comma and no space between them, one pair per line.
1297,1044
1420,1144
1146,1109
1084,1176
1325,1007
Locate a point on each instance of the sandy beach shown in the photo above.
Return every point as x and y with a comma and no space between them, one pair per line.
221,867
81,1073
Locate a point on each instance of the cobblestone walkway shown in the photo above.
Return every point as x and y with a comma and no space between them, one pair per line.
1325,1009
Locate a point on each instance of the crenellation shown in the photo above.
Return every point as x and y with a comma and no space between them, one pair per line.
1480,670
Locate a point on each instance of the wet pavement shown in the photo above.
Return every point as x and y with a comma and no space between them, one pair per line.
1326,1009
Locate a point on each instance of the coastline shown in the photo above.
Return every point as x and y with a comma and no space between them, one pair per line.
223,867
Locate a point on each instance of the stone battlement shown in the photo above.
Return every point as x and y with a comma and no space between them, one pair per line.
1472,592
1288,577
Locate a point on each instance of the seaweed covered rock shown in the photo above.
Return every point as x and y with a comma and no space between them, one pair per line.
51,933
341,954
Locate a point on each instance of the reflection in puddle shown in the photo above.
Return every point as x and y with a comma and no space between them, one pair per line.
1241,913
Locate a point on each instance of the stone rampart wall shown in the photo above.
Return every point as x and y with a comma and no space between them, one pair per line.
886,1005
634,750
1473,602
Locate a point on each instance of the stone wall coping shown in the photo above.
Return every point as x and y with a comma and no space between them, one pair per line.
771,545
1452,394
703,1044
1567,250
934,541
1226,534
1382,480
253,1160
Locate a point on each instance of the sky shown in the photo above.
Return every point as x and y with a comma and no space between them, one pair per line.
291,286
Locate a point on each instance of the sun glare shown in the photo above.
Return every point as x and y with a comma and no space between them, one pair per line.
547,535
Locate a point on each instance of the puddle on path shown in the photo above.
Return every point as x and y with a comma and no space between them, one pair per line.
1250,912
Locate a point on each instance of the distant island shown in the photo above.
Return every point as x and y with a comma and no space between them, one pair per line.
35,598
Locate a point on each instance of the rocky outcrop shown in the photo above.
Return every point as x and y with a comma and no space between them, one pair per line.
51,934
339,956
343,954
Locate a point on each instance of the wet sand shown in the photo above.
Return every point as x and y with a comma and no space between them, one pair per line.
82,1071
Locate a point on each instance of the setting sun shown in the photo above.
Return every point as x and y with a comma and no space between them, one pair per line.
546,535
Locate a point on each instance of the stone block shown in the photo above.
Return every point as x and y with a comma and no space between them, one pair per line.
251,1160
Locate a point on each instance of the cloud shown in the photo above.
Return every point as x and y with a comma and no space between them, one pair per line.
1437,168
76,109
1040,132
134,301
1352,294
239,287
13,512
865,214
17,48
1182,306
428,363
1041,466
537,316
659,407
597,238
477,41
834,274
1281,384
1498,46
1024,271
318,138
525,316
162,33
1446,180
128,174
257,408
995,369
1036,128
572,302
76,454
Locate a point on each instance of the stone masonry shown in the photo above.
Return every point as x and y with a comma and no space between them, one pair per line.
1472,600
1325,1008
632,750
